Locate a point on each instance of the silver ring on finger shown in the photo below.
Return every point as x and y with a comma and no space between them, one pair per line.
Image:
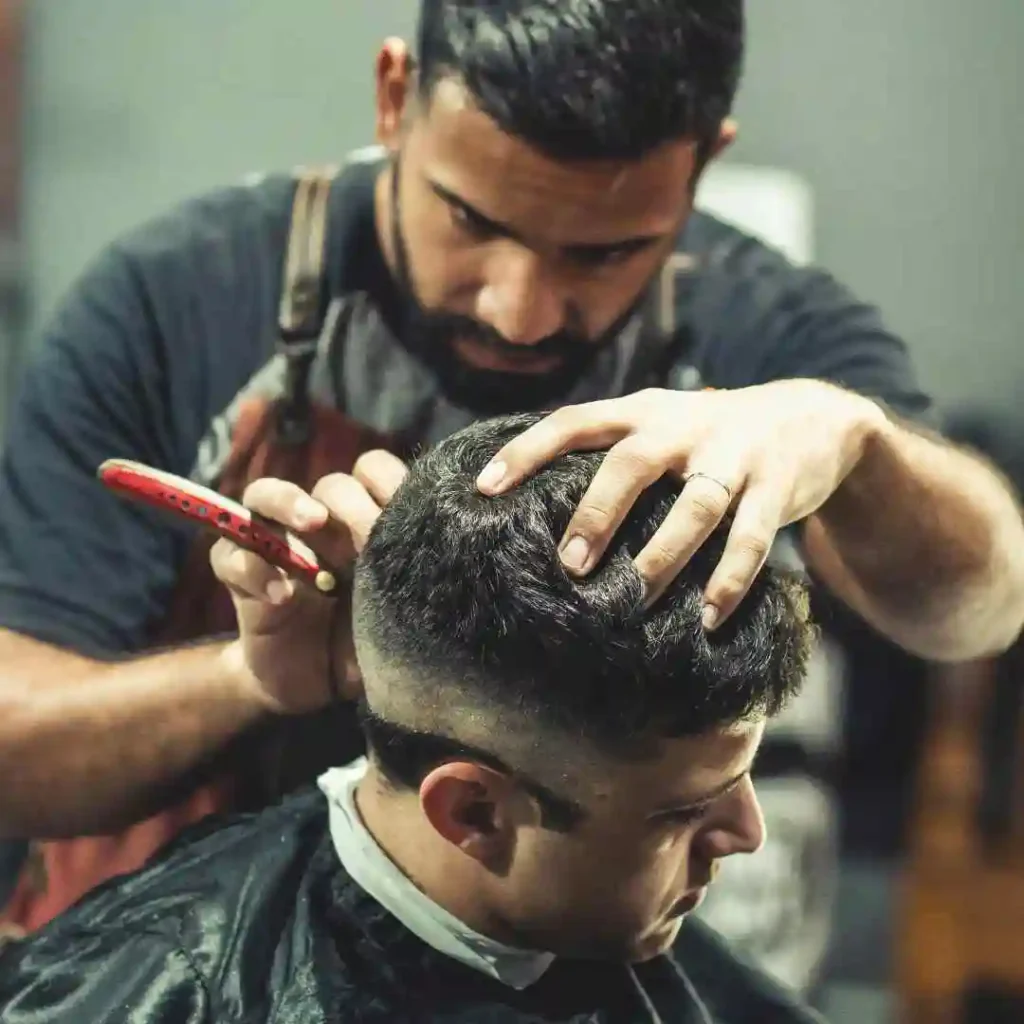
699,475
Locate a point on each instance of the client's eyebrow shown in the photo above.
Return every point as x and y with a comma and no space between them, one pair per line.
705,798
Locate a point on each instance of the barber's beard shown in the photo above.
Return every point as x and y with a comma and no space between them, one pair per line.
430,336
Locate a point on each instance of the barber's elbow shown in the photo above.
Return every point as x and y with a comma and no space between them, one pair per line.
987,614
1003,641
1007,621
945,645
985,624
989,641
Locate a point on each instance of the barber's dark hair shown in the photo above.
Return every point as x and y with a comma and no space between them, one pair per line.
590,79
463,592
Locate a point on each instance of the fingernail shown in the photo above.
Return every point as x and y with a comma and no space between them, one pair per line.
575,554
491,477
279,591
709,617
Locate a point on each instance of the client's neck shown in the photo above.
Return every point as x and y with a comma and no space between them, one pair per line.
439,870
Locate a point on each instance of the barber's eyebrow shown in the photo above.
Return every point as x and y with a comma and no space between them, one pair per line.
471,211
705,798
505,231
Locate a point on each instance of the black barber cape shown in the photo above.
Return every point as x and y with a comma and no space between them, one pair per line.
255,920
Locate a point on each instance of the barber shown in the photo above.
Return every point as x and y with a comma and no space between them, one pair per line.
475,263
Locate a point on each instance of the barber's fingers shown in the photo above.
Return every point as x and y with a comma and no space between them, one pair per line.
285,503
381,473
757,520
247,575
353,511
335,520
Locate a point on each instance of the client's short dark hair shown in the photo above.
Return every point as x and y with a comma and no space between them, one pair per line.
464,600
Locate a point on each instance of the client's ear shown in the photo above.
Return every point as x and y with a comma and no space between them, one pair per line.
472,808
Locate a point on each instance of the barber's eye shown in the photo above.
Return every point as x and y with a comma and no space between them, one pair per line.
470,223
593,259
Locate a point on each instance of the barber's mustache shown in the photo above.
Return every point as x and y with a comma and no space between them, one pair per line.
450,327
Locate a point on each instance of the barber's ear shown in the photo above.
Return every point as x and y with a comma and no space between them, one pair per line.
472,807
394,78
726,137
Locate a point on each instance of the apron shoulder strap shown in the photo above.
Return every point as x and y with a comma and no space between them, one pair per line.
675,277
666,337
304,299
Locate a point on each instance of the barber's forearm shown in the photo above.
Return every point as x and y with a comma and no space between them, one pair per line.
927,543
89,747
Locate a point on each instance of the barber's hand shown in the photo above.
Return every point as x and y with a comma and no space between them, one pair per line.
284,624
773,453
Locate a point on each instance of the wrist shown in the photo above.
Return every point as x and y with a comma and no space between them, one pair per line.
242,683
875,433
873,449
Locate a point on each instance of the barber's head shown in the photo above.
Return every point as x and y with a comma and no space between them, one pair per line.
578,763
545,158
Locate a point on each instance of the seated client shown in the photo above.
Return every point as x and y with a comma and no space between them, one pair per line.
553,773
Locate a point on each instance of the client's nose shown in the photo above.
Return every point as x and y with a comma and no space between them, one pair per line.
736,826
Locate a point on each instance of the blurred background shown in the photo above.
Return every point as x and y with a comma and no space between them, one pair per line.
880,139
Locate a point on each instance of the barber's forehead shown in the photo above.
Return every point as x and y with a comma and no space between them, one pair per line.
467,153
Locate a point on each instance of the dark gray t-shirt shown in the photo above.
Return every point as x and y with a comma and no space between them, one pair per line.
147,356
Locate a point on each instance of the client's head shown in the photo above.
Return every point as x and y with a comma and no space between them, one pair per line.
564,765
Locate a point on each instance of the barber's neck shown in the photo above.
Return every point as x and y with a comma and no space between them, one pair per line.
449,877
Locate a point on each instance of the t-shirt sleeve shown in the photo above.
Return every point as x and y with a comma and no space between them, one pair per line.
106,977
759,318
80,567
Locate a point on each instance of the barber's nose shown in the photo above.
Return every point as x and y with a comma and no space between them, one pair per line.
738,824
519,299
